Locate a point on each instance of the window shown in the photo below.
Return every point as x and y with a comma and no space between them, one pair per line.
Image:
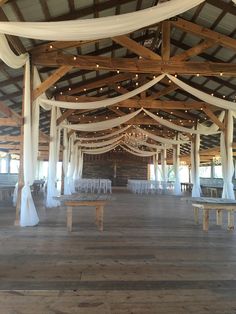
205,172
14,166
218,172
3,165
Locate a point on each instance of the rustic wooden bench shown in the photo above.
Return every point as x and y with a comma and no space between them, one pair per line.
75,201
217,204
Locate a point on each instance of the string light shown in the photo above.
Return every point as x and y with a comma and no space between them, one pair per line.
74,58
221,73
118,86
97,65
50,46
118,71
198,74
85,89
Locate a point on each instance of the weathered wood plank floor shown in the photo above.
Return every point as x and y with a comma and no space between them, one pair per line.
150,259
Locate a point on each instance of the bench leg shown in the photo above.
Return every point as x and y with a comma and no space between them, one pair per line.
196,216
69,218
205,219
231,220
97,216
100,217
219,217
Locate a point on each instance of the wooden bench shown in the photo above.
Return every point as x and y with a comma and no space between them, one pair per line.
74,201
217,204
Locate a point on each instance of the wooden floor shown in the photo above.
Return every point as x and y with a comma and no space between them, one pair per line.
151,258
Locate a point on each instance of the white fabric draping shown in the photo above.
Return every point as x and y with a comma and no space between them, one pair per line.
52,163
28,213
102,103
73,162
8,56
161,139
133,152
101,150
163,168
195,162
98,28
65,162
221,103
155,163
103,125
100,144
176,127
95,138
226,151
177,186
79,165
139,151
155,146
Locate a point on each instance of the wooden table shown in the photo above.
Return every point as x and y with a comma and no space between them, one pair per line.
73,201
217,204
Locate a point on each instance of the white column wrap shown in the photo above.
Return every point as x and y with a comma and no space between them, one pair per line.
52,164
195,162
28,213
163,168
177,187
226,151
65,163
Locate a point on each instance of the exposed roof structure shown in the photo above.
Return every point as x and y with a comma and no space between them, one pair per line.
198,46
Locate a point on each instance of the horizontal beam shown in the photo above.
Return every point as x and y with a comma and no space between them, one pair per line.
134,65
9,122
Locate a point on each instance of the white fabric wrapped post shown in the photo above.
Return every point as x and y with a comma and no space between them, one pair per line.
195,162
72,165
163,168
79,165
65,162
177,186
226,151
28,213
105,27
52,164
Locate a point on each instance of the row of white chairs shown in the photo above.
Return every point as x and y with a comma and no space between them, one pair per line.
93,185
149,186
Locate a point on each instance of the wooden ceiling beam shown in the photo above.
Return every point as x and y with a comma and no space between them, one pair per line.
214,118
165,47
51,80
206,33
10,138
135,47
132,65
8,122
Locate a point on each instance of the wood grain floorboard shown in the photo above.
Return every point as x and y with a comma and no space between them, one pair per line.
150,259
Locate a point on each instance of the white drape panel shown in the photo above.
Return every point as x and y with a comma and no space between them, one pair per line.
163,168
155,146
176,127
89,29
65,162
102,103
155,162
100,144
103,125
161,139
52,163
73,161
226,151
28,213
8,56
79,164
221,103
95,138
177,186
195,162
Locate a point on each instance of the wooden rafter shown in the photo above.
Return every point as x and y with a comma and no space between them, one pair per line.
135,47
214,118
133,65
51,80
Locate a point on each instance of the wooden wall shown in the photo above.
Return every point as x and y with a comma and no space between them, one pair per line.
118,168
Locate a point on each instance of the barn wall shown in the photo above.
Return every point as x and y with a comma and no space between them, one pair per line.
116,168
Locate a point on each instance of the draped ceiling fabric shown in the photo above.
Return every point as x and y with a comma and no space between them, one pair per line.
102,143
95,138
176,127
98,28
215,101
103,125
102,103
162,139
139,151
195,162
226,151
101,150
133,152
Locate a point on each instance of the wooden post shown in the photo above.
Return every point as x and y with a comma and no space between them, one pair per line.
231,219
196,215
205,219
219,217
69,218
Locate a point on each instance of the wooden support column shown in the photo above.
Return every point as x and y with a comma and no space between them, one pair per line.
165,49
